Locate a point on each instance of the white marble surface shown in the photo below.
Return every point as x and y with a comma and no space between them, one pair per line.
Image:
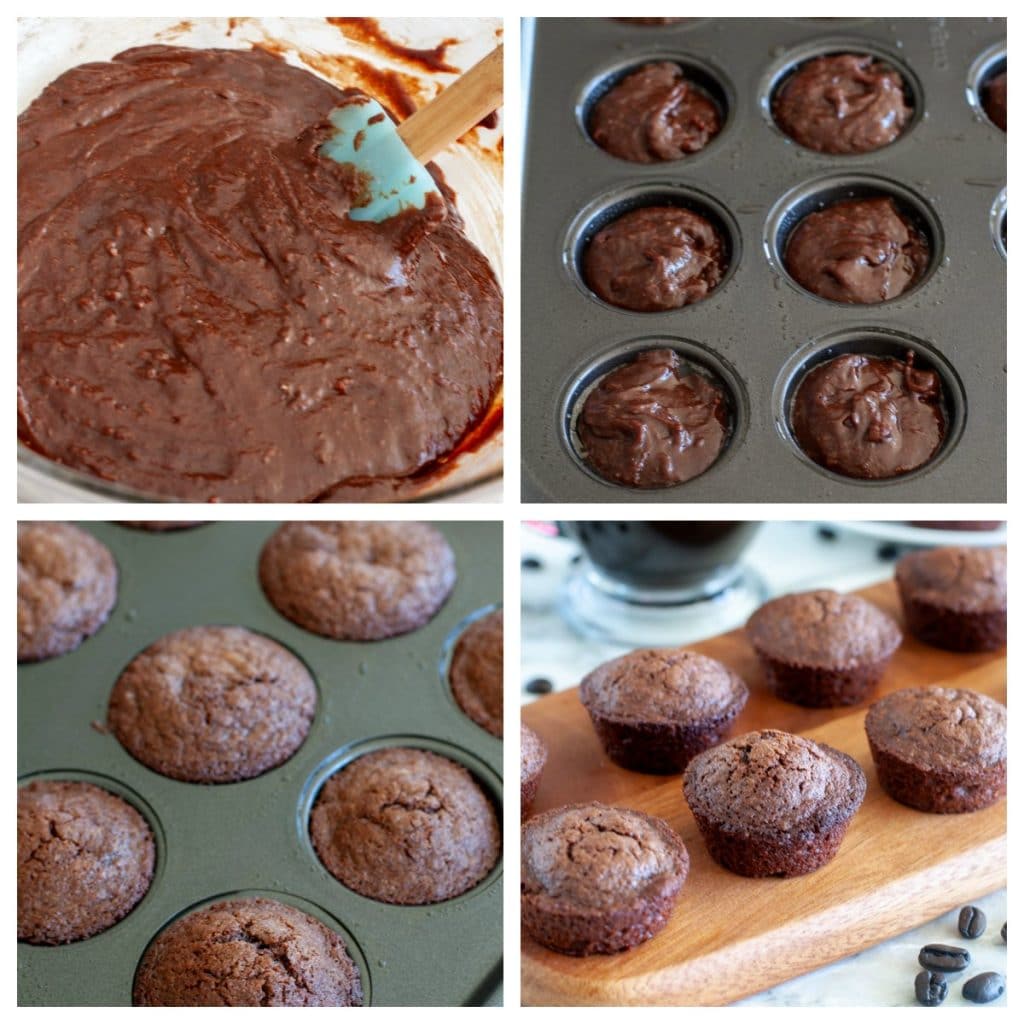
788,556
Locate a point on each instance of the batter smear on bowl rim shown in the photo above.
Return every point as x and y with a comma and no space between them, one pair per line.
198,316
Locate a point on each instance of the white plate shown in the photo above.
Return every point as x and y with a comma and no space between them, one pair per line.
904,533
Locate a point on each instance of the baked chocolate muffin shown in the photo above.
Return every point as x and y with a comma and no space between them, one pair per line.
653,422
821,649
405,826
842,103
247,952
357,581
598,879
773,804
85,859
67,587
653,114
213,704
533,755
655,258
993,95
869,417
938,749
477,672
654,710
955,598
857,251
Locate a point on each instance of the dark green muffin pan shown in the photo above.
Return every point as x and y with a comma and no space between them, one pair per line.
251,838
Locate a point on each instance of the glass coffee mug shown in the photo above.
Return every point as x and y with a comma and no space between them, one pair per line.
660,583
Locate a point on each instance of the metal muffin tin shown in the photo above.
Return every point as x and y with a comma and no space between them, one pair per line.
759,328
251,838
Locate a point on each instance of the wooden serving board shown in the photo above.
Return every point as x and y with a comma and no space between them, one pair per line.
730,936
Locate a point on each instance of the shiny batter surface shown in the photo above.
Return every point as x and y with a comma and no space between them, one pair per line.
868,417
653,114
842,103
655,258
199,318
994,99
857,251
653,423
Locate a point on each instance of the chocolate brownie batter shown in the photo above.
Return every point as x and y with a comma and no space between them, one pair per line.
653,114
994,99
212,704
85,859
67,586
357,581
858,251
869,417
224,331
655,258
247,952
598,879
477,671
842,103
651,422
405,826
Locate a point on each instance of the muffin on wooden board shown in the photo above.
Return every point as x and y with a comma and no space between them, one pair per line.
533,755
403,825
477,672
85,859
955,598
821,649
773,803
598,879
247,952
939,749
67,587
357,580
654,709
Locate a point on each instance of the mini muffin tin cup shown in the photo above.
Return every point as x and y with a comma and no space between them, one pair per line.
947,171
251,838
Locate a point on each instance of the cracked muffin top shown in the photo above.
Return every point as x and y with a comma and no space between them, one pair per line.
247,952
85,859
938,728
959,578
67,586
405,826
592,856
663,685
213,704
823,629
773,781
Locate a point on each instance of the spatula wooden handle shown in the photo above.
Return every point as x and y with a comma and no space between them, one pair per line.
468,100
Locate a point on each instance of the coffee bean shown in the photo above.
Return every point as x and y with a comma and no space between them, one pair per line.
972,922
532,563
539,685
930,988
937,957
983,988
1003,931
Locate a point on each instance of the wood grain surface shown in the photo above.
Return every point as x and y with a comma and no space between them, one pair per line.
730,936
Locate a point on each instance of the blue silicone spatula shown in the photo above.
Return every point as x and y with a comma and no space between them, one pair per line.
390,157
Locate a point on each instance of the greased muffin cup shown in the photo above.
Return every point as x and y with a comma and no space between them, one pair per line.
939,749
598,879
771,803
945,170
250,839
821,649
655,709
955,597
